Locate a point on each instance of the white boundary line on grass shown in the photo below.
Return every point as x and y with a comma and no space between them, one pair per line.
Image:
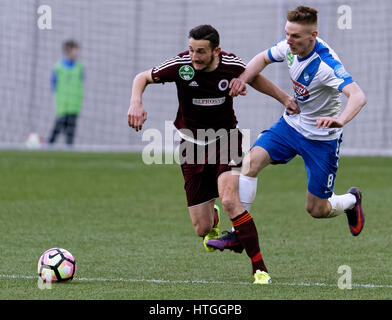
294,284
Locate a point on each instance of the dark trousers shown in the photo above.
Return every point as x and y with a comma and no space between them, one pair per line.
67,124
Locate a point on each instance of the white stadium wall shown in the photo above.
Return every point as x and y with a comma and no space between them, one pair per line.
120,38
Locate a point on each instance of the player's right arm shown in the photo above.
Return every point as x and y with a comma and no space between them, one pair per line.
137,115
253,68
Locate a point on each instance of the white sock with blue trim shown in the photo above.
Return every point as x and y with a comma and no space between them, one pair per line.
341,203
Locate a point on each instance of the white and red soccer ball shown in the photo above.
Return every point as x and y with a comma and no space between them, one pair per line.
56,265
34,141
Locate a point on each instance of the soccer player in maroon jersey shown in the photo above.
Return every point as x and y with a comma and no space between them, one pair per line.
202,75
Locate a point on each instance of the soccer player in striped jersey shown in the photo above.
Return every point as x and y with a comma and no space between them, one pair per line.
315,133
202,75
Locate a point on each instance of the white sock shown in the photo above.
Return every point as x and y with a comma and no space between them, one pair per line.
247,188
341,203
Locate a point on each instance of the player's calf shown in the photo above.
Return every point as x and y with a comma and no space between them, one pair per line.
228,193
202,217
232,205
202,228
318,210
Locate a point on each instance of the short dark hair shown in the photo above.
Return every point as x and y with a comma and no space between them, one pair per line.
302,15
69,45
205,32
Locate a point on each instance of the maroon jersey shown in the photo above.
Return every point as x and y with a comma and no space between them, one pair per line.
203,97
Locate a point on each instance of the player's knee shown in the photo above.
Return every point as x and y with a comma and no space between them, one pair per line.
201,229
250,166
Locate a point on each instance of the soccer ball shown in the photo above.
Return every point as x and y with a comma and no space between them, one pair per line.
56,265
34,141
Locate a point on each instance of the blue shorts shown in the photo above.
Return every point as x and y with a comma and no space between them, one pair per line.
283,143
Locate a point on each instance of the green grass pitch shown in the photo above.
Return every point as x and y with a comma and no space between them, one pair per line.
128,227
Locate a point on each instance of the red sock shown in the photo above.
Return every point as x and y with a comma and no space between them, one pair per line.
216,218
246,232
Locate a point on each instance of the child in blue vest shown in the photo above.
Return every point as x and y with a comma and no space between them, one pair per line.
67,85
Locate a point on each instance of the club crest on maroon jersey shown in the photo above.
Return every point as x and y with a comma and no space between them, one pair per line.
223,84
186,72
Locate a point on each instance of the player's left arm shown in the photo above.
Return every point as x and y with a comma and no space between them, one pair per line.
356,100
264,85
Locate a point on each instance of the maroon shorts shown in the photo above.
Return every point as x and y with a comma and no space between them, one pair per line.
202,168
